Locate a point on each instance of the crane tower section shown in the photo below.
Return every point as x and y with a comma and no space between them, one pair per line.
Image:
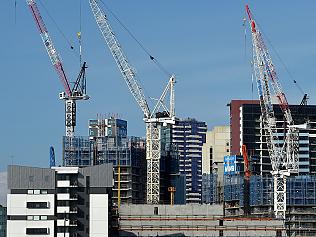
283,156
153,123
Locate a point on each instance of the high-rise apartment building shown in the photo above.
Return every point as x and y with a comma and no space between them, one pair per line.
247,128
189,136
59,202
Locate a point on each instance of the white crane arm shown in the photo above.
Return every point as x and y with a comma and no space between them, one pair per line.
120,59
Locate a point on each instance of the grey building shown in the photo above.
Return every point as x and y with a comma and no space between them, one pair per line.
61,201
3,221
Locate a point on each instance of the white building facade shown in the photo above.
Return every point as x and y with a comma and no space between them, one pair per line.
62,201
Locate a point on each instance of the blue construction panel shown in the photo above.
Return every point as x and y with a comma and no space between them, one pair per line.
209,188
233,188
261,191
301,191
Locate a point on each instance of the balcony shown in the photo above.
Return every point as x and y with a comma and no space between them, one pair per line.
66,222
66,184
66,196
62,234
66,209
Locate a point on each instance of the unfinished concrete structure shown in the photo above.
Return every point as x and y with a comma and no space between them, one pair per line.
191,220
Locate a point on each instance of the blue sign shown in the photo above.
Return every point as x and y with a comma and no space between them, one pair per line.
229,165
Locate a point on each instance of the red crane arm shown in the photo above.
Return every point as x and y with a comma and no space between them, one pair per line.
48,43
246,161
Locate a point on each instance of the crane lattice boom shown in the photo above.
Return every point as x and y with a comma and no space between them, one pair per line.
121,60
52,53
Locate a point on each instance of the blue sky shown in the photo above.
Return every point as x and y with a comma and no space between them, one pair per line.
202,42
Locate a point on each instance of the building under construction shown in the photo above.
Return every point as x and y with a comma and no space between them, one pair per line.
301,201
247,129
108,143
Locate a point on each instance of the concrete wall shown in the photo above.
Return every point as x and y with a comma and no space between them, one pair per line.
190,220
99,217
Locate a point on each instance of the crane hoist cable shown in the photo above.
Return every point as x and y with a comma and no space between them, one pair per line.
151,57
59,29
291,77
79,33
15,5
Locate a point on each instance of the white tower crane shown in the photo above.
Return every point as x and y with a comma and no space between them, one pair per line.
153,122
284,157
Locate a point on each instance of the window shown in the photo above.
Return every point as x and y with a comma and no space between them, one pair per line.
36,218
37,231
37,205
155,210
37,191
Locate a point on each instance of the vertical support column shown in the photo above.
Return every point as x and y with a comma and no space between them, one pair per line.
153,153
279,195
70,117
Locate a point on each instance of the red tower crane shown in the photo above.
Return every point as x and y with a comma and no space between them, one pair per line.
283,154
70,94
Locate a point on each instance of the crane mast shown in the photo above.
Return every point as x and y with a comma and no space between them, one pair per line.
284,157
70,95
153,123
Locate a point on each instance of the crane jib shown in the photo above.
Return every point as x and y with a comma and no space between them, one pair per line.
51,51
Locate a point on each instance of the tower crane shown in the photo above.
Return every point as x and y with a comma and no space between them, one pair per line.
284,157
70,94
154,119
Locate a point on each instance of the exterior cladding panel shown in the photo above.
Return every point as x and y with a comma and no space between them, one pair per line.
21,177
235,123
100,175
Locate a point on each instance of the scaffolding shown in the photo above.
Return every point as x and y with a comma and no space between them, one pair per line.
209,189
126,154
301,201
301,191
77,151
